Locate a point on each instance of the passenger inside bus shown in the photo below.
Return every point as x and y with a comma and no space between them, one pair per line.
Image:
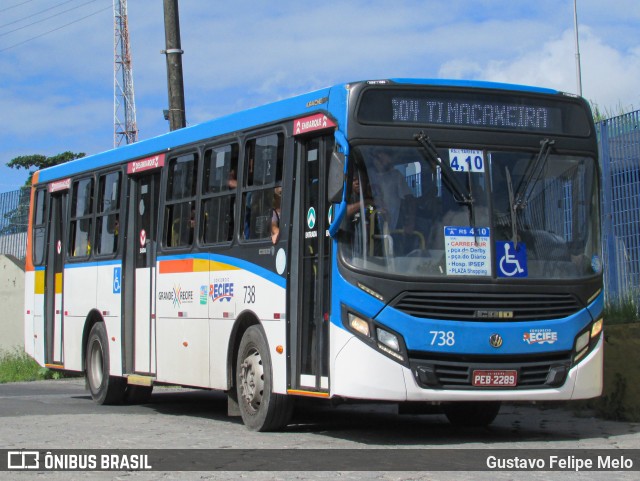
391,191
275,214
192,224
116,232
359,197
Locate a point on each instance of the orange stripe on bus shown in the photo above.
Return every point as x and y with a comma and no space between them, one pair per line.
298,392
54,366
176,266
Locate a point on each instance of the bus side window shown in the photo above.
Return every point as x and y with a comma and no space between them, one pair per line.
39,228
108,214
263,174
81,217
219,194
180,211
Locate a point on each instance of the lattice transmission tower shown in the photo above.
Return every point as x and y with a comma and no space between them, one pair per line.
124,105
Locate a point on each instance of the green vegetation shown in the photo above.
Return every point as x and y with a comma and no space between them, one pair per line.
601,114
16,366
620,400
42,161
622,311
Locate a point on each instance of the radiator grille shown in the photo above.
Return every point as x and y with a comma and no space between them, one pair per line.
466,305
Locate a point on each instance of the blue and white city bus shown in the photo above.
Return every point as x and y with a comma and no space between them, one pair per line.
427,242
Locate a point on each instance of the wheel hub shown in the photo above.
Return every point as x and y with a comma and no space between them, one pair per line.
95,367
252,379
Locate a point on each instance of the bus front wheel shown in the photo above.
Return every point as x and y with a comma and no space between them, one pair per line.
477,413
105,389
261,409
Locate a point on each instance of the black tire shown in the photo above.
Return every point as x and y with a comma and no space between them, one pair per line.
261,409
105,389
477,413
135,394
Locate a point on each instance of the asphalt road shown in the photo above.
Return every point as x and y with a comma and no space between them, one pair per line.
61,415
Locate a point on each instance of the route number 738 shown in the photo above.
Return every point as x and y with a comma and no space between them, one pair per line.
442,338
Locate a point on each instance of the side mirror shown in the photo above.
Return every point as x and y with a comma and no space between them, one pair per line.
335,185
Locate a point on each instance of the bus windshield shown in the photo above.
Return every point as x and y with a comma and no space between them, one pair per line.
405,217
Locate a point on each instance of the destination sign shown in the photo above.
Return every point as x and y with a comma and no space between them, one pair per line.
482,110
474,114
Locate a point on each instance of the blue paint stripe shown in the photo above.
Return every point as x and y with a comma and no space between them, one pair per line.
476,84
77,265
597,306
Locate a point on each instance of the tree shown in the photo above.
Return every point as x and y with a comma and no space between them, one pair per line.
41,161
15,220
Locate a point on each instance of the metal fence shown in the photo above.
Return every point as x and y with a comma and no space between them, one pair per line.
620,157
14,216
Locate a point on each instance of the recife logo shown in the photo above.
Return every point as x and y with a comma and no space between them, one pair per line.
221,290
540,336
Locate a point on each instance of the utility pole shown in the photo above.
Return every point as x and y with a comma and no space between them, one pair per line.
124,104
173,52
578,69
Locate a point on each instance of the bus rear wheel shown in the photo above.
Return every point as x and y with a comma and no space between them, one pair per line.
480,413
105,389
261,409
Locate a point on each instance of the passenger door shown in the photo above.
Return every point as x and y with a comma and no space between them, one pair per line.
140,261
309,300
54,271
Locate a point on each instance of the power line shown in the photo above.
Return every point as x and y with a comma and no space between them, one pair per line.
14,6
55,29
46,18
35,14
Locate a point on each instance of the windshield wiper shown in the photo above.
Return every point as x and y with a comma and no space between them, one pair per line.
512,209
431,154
459,194
534,169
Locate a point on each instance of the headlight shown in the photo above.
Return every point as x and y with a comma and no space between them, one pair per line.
388,339
597,327
358,324
378,337
582,341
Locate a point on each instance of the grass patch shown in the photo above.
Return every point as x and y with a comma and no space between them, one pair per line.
17,366
621,311
620,400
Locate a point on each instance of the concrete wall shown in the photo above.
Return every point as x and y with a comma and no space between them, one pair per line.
11,303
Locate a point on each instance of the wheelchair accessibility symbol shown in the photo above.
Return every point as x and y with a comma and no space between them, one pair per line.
117,280
512,262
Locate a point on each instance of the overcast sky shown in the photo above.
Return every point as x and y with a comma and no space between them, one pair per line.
56,57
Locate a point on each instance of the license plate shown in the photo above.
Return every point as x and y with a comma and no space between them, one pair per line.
494,378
